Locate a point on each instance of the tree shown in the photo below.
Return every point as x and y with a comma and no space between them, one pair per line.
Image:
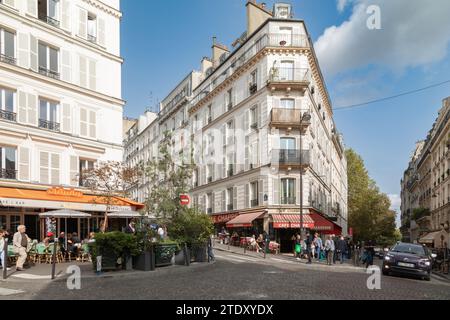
368,209
110,181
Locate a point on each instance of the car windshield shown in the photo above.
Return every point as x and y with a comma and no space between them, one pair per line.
406,248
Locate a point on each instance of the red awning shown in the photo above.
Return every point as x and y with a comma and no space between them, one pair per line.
322,224
244,220
292,221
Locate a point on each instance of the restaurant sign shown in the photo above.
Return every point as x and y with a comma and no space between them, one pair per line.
224,218
292,225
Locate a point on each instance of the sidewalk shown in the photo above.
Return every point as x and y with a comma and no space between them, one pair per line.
441,276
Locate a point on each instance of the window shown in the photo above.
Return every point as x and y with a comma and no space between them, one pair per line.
287,103
48,11
48,61
210,203
209,114
7,105
229,99
285,36
253,85
49,164
85,165
92,28
254,194
7,163
254,117
288,191
287,71
229,199
88,123
210,173
287,143
7,47
48,115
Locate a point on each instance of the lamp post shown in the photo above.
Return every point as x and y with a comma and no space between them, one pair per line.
303,118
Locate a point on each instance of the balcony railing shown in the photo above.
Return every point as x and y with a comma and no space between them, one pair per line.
288,200
8,59
291,157
288,117
49,125
49,73
8,115
253,87
210,179
92,38
230,207
210,210
254,203
8,174
230,171
289,75
50,21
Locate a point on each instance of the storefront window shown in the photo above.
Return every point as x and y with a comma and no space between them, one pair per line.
14,223
3,223
84,229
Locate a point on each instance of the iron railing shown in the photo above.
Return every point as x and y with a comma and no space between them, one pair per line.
8,174
291,157
254,203
49,125
49,73
8,59
288,116
288,200
92,38
8,115
50,21
289,75
230,207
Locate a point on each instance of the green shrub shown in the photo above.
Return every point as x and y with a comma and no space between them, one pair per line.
190,227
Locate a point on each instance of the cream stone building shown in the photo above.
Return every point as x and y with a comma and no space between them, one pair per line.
256,117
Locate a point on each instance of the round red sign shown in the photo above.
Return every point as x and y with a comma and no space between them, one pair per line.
185,200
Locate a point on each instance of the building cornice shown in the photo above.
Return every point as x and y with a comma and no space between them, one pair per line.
62,84
104,7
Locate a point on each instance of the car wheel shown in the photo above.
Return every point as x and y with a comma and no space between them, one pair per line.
427,278
385,273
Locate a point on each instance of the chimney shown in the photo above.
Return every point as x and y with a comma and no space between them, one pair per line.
257,14
206,64
217,51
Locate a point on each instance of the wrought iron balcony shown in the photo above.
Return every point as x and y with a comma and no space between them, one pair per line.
210,211
8,115
288,78
49,73
291,118
50,21
291,158
8,59
210,179
8,174
230,171
49,125
230,207
92,38
253,88
288,200
254,203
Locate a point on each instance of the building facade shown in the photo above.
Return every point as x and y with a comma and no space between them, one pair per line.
426,186
257,117
60,96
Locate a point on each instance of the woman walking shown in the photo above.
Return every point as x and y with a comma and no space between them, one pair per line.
329,250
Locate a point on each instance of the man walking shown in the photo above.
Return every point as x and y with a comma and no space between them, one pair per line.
308,242
210,249
319,245
20,243
341,249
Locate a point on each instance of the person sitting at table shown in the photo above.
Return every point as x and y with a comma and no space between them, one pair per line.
75,243
253,244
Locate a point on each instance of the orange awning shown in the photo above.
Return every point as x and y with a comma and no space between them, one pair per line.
244,220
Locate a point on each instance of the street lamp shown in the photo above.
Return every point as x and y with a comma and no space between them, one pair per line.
306,117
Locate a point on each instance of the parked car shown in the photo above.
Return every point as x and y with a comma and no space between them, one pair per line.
408,259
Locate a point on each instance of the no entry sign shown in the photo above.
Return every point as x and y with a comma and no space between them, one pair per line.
185,200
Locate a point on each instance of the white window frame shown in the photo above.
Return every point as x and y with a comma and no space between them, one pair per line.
285,105
48,102
47,58
2,42
3,159
3,99
285,187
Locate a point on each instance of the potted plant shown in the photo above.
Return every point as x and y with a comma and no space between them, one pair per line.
114,248
164,252
146,241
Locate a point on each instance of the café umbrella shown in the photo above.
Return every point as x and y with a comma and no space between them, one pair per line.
62,214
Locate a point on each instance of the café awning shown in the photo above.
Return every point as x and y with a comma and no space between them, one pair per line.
244,220
125,214
292,221
64,214
438,238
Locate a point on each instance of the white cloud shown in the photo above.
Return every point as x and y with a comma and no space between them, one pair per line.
413,33
396,201
341,4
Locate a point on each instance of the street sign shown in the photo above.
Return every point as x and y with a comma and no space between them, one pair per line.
185,200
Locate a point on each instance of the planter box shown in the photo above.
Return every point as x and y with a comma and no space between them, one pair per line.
145,261
109,260
199,253
164,254
180,259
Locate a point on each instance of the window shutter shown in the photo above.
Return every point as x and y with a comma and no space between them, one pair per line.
247,154
44,167
203,175
12,3
82,23
66,66
247,196
92,124
83,123
224,200
33,53
31,7
74,171
246,121
235,190
276,191
22,107
101,32
32,111
223,132
92,75
65,15
24,164
23,48
83,71
261,192
66,118
55,169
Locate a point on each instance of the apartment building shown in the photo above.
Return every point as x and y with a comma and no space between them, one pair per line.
60,106
426,186
257,116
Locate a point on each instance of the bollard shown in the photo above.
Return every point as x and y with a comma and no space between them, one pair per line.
99,265
187,259
54,261
5,259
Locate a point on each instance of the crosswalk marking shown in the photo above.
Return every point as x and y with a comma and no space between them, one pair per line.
284,261
9,292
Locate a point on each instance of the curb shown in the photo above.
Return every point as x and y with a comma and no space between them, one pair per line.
440,277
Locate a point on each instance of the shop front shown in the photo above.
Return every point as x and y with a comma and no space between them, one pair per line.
23,206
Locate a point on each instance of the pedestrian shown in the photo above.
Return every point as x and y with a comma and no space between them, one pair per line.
62,243
369,253
161,233
341,249
329,250
318,244
266,241
131,228
20,244
308,243
2,251
210,249
298,247
334,239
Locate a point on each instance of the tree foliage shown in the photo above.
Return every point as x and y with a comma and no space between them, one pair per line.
368,209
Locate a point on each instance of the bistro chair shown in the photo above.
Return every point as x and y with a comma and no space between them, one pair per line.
50,249
32,253
84,253
12,256
41,252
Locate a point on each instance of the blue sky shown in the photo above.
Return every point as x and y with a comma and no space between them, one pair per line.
164,40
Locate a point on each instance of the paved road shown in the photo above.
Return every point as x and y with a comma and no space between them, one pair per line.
236,277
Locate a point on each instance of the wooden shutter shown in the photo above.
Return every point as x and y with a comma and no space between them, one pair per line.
65,15
44,168
23,50
83,122
261,192
101,32
235,192
66,118
66,66
224,200
33,53
24,164
276,191
55,169
11,3
32,110
92,124
92,75
22,107
32,7
74,171
82,23
247,196
83,71
247,154
246,121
